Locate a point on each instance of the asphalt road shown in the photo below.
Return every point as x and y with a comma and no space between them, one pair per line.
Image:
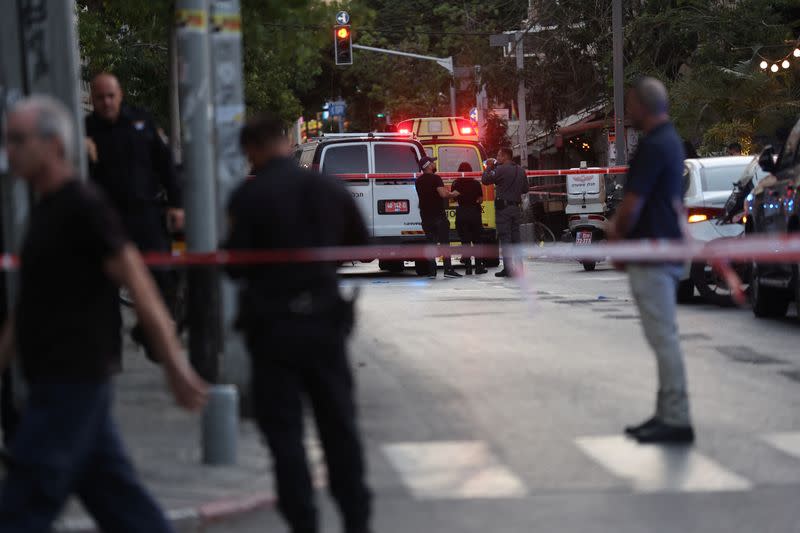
493,406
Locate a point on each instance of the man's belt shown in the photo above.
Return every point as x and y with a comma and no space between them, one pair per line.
500,204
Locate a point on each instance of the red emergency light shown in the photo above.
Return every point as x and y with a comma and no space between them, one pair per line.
466,131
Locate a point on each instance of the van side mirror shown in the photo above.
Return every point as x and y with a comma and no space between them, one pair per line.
767,159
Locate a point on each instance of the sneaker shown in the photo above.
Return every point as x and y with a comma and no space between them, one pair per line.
481,270
502,274
646,425
451,274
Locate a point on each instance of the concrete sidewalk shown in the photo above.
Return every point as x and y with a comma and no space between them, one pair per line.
164,442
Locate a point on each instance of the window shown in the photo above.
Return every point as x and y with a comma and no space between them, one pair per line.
451,157
721,178
345,159
395,158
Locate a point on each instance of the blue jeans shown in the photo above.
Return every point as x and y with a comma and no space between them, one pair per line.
654,289
67,443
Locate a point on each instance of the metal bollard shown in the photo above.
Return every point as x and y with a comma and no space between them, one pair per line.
221,426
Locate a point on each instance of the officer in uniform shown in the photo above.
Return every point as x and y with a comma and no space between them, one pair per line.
468,215
131,163
296,322
510,184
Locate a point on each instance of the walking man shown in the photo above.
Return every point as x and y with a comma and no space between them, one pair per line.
510,184
468,215
133,166
296,324
432,196
652,208
66,331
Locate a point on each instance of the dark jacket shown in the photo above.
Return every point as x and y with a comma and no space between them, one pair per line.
133,162
286,207
509,180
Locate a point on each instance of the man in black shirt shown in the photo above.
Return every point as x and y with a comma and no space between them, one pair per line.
432,194
66,333
296,324
131,163
468,215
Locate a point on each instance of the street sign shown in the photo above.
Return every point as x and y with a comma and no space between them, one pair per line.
473,114
343,17
337,108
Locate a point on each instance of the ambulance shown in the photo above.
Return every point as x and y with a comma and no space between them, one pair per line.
453,141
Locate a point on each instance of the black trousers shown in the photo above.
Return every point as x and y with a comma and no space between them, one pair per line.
437,231
299,361
469,227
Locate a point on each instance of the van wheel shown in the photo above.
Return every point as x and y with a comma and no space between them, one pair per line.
421,267
767,302
685,291
589,266
391,266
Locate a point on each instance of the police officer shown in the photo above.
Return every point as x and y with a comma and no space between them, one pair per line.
510,184
131,163
296,322
468,215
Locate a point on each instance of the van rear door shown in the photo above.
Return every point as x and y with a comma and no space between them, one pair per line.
352,158
395,203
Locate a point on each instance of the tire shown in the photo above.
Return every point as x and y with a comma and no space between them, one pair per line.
394,267
685,291
589,266
767,302
711,287
421,268
542,233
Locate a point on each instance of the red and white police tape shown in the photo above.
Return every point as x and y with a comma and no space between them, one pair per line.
765,249
529,173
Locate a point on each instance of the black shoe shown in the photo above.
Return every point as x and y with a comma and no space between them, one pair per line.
502,274
451,273
647,424
666,433
468,272
480,269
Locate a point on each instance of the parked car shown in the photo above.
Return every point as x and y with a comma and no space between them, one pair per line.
728,225
772,208
707,185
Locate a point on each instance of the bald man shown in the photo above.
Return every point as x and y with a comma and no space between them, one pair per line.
131,163
652,209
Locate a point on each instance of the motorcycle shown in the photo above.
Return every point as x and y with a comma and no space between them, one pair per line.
588,209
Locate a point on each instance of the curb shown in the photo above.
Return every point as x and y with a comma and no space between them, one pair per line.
189,518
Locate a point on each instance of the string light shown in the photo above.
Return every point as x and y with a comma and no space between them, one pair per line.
775,65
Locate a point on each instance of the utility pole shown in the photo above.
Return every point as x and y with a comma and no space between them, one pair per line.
229,110
619,81
200,199
521,106
174,99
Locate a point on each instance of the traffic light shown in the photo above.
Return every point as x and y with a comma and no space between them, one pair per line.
343,49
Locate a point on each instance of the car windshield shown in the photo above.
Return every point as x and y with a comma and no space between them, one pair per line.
721,178
451,158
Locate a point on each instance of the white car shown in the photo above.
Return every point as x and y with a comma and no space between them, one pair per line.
708,183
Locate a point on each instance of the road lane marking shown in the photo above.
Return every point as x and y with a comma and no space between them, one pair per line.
450,470
788,443
653,468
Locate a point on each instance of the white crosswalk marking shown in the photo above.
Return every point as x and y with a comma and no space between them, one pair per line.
653,468
788,443
453,470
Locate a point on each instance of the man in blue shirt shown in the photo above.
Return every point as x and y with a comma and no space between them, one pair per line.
652,209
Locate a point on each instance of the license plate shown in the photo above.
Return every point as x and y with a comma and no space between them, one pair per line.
393,207
583,237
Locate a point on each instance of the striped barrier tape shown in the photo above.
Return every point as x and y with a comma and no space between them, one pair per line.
765,249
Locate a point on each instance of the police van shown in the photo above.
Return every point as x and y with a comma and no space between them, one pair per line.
389,205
